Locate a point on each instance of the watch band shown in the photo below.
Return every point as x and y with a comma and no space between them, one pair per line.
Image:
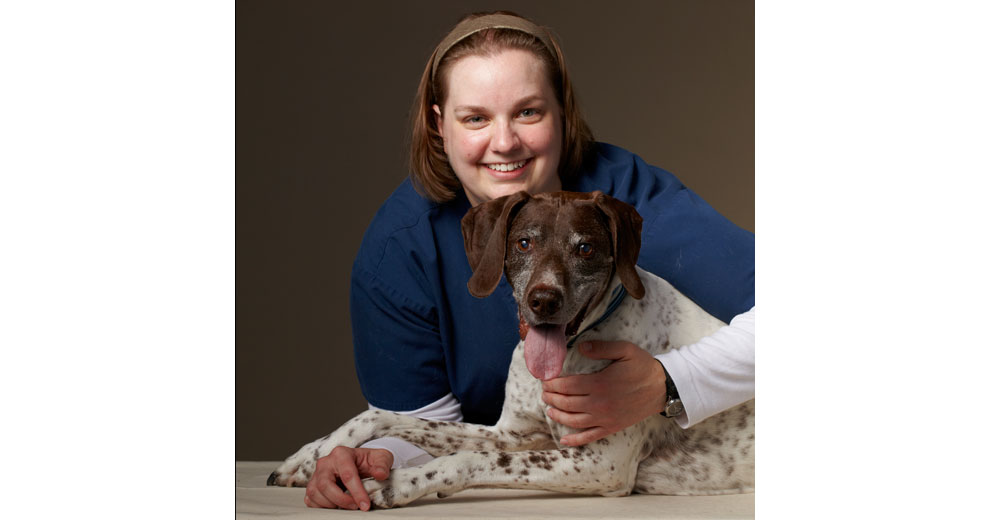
673,407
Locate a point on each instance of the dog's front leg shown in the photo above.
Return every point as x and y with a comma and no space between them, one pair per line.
598,469
435,437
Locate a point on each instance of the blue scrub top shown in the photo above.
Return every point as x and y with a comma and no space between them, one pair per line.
419,334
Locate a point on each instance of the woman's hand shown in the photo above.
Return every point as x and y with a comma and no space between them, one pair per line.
344,468
629,390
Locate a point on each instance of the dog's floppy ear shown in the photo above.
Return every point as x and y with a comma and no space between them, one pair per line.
484,229
626,226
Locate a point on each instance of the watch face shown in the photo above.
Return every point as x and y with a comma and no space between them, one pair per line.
674,408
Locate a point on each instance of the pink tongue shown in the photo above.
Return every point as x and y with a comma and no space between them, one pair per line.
545,350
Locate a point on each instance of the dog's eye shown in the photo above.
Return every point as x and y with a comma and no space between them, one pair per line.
523,244
585,250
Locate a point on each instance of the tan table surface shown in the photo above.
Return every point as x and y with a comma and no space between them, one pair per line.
257,500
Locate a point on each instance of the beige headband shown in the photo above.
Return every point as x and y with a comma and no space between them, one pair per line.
490,21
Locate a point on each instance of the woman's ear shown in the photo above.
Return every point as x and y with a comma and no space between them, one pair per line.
439,119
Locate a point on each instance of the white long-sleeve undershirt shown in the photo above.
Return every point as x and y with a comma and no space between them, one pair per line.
715,373
407,455
711,375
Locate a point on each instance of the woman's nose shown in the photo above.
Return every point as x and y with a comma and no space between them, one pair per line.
504,138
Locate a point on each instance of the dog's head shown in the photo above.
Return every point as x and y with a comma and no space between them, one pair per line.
559,252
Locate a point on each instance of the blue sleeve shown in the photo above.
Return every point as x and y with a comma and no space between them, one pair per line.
701,253
685,241
398,350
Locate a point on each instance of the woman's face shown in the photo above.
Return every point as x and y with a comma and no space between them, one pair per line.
501,125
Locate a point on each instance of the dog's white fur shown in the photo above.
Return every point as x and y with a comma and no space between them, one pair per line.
522,450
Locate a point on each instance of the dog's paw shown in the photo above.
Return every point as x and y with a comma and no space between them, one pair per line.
294,472
381,493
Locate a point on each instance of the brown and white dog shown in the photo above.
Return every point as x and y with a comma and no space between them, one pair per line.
570,258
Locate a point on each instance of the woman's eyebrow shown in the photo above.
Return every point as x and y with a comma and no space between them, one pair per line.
469,108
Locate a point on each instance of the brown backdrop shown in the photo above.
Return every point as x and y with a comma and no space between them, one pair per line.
323,94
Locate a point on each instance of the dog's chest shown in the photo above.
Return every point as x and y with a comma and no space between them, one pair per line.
663,319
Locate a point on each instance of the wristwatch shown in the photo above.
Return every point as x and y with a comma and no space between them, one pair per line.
673,407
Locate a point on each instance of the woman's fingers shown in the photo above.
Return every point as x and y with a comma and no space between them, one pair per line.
334,473
337,479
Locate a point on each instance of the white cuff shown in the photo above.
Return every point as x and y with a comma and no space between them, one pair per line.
715,373
404,453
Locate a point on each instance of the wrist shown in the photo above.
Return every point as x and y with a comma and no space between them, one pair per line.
671,403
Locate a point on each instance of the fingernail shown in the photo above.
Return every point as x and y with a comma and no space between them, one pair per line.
364,506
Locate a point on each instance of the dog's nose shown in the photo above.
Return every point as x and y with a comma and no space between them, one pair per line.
545,302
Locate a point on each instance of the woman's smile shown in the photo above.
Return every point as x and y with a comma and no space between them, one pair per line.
508,170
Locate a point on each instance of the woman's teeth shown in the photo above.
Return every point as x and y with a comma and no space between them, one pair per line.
506,167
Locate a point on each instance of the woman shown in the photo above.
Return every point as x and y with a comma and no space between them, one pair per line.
496,114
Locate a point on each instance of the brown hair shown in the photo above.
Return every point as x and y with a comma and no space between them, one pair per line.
431,172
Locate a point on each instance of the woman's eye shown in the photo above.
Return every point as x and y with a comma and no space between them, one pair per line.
585,250
529,112
523,244
474,119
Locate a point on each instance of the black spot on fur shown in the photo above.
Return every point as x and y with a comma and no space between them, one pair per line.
388,496
430,475
504,459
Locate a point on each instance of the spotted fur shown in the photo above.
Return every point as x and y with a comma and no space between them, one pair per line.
522,450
